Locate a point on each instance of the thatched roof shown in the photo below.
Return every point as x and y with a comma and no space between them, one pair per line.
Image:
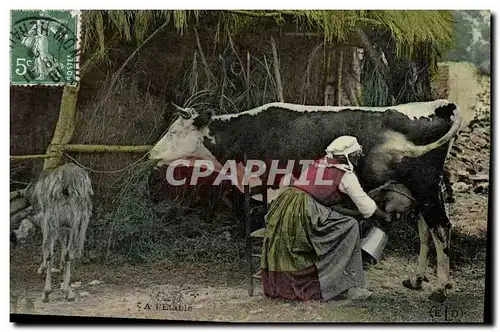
410,29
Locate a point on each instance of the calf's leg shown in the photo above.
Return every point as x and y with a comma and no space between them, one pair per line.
48,276
63,240
70,295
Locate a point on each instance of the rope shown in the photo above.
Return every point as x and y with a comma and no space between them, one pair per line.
124,168
19,182
404,194
105,171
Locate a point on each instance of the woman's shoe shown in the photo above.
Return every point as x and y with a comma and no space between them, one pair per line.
356,293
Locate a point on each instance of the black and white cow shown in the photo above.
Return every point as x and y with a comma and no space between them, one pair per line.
406,143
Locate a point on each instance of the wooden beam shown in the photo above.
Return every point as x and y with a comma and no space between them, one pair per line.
34,156
85,148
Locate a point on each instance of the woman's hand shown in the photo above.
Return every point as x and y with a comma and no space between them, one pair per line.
381,214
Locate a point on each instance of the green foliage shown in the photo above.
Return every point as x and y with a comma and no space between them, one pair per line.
471,39
375,90
413,31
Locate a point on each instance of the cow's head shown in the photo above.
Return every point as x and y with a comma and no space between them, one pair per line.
184,139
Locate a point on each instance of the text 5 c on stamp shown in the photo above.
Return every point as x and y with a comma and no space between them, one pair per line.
44,47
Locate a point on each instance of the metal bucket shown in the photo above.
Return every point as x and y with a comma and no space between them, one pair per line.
374,243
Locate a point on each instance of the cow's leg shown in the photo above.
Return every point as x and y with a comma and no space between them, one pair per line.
441,237
434,212
415,281
48,247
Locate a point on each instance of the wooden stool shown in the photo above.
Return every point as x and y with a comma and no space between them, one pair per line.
255,239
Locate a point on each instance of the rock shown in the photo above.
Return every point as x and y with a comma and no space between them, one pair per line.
465,159
456,148
453,177
479,141
95,282
83,294
480,178
461,187
482,188
478,168
471,170
463,176
478,131
76,284
256,311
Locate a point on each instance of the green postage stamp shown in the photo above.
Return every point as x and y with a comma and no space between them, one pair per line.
44,47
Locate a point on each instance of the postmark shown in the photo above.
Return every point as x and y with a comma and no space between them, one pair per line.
45,47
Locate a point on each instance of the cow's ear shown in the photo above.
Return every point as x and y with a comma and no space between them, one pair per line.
203,119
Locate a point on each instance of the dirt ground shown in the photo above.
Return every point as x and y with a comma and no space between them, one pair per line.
219,293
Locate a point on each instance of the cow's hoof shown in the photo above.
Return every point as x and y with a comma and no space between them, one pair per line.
448,286
438,296
45,297
407,284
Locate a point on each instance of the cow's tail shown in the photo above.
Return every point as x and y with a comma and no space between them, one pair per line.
396,144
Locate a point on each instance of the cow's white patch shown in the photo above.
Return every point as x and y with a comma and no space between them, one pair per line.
182,141
412,110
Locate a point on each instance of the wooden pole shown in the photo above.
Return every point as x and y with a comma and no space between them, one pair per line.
328,74
33,156
248,239
87,149
249,101
339,77
65,126
279,85
372,53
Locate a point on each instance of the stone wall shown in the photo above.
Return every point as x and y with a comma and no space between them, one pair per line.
457,82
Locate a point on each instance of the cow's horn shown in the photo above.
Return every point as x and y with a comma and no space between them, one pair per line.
183,112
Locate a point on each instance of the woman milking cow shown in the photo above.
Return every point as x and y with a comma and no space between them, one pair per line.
312,252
